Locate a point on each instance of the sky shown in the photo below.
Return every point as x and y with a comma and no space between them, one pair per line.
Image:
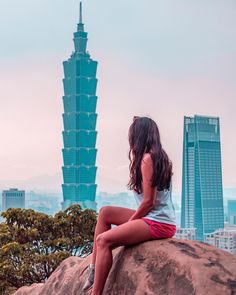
163,59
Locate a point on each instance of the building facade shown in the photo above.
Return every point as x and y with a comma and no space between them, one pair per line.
79,120
224,239
185,233
202,193
13,198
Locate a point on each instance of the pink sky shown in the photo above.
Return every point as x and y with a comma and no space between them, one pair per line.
31,121
158,58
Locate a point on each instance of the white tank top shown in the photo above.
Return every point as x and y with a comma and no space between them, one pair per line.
164,210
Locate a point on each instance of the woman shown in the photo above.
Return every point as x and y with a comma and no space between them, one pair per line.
150,179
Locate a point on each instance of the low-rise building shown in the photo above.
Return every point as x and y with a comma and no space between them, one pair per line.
224,239
185,233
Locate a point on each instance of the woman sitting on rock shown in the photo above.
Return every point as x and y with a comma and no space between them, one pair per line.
151,182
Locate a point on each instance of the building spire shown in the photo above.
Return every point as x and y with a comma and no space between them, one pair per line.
80,12
80,37
80,25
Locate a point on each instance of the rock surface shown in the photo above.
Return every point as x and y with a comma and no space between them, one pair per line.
157,267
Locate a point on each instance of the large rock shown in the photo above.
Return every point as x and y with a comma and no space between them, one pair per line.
157,267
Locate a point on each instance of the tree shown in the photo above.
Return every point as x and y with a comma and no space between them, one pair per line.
33,244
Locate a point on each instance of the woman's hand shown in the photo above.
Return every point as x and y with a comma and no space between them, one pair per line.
130,219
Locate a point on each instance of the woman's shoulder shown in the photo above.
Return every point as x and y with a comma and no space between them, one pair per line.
147,159
147,166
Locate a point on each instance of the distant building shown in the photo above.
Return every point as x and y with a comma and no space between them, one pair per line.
79,120
233,219
232,212
202,194
48,203
13,198
224,239
185,233
123,199
229,226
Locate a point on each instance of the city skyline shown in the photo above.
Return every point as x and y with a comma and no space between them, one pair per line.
149,57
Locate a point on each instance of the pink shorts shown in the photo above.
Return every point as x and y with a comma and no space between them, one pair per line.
160,230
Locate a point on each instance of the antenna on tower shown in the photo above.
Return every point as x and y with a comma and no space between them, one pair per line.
80,12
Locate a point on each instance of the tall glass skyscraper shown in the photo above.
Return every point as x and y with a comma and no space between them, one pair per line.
202,193
79,120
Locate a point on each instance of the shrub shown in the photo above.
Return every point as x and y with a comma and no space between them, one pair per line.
33,244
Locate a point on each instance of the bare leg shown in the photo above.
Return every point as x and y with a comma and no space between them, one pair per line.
133,232
101,227
102,269
107,216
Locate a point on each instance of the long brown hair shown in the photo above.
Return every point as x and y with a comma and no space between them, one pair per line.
144,137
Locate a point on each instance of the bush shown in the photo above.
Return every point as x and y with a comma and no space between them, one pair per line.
33,244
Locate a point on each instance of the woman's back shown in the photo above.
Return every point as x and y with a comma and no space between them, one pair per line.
163,210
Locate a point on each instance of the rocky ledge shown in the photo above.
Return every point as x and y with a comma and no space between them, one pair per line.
158,267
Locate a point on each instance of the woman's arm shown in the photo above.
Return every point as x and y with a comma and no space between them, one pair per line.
148,191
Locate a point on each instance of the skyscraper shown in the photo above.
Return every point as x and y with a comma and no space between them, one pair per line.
13,198
232,212
79,120
202,194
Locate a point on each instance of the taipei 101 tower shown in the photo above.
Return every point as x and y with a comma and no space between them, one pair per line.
79,121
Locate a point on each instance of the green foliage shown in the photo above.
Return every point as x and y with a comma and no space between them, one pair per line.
33,244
